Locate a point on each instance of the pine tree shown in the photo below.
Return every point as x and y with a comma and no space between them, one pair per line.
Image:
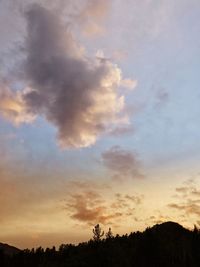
98,233
109,234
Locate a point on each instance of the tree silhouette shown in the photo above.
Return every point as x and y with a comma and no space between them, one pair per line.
163,245
98,233
109,234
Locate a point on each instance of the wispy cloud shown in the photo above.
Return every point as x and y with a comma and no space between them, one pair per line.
89,207
122,131
188,202
89,204
92,15
190,207
121,163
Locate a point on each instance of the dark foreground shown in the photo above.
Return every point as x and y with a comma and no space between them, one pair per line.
167,244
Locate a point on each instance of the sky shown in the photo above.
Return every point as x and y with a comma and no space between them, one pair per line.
99,117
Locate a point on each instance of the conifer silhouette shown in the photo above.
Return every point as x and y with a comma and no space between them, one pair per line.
109,234
98,233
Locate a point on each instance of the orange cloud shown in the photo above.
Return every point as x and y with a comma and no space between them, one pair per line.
12,106
92,15
89,206
187,196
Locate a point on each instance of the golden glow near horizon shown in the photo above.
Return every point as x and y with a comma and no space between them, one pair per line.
67,211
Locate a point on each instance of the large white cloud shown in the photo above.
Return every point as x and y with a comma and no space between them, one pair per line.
77,94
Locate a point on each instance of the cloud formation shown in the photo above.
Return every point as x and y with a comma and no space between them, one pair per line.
13,107
190,207
89,207
122,131
91,16
75,93
121,163
88,204
188,199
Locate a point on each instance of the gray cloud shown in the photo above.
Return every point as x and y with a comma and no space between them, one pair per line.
77,94
121,163
122,131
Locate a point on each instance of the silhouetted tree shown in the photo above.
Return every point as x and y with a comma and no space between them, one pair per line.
109,234
196,229
98,233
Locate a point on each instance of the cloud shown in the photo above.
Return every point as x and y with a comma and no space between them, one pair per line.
77,94
182,190
89,203
96,8
89,207
135,199
121,163
157,218
187,196
129,83
196,192
122,131
91,16
127,201
12,106
190,207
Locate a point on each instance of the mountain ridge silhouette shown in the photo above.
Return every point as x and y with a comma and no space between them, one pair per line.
167,244
8,249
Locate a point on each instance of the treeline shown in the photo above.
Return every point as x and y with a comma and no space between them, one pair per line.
164,245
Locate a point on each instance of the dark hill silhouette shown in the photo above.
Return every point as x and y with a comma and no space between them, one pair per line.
169,226
171,234
9,250
163,245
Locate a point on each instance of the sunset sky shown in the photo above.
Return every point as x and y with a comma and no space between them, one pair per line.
99,117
